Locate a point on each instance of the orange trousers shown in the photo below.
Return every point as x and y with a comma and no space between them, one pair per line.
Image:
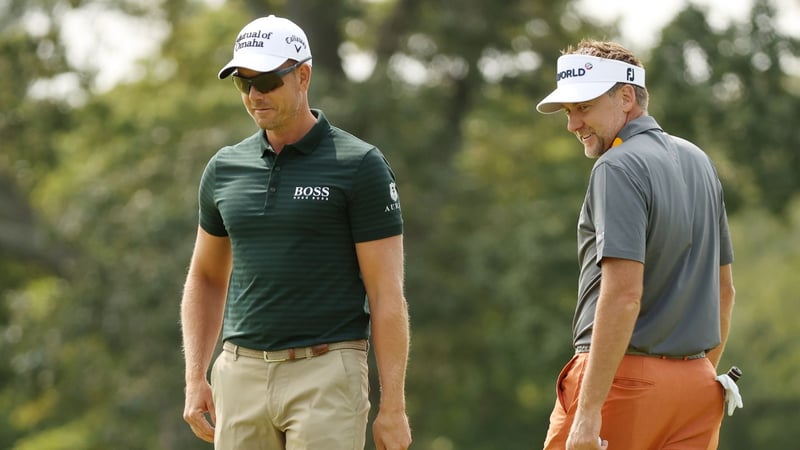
653,404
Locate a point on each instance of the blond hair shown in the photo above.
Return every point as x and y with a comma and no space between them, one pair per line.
611,50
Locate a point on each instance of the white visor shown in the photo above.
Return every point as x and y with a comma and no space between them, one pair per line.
581,78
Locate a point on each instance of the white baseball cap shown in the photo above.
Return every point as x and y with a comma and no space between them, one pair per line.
581,78
266,43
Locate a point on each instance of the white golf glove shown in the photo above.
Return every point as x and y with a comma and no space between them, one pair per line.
733,399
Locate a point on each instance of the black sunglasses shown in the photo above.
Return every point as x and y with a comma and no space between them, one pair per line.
264,82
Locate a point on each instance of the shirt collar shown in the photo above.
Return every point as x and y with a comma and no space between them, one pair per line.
311,140
637,126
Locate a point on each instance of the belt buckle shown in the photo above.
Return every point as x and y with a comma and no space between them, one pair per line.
267,359
307,352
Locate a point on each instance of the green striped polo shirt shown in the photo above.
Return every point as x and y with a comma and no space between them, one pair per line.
293,220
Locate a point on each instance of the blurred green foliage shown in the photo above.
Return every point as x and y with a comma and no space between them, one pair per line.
98,206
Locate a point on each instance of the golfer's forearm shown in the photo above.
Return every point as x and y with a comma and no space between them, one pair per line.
727,295
390,340
615,317
201,320
610,339
726,310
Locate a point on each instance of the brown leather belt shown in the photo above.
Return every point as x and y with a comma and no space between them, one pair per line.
702,354
292,354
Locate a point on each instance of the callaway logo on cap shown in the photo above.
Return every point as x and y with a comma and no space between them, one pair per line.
581,78
266,43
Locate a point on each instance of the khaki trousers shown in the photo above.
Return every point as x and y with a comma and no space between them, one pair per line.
315,403
654,404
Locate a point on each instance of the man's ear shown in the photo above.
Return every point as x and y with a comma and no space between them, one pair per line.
628,95
304,74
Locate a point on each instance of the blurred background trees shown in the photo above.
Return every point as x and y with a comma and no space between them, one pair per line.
98,187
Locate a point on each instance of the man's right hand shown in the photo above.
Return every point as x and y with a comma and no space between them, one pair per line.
200,402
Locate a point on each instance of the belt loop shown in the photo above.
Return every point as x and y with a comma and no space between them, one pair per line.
235,352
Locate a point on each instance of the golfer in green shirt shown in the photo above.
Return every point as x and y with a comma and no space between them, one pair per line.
298,262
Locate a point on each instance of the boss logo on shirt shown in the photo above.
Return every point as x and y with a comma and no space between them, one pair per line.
312,193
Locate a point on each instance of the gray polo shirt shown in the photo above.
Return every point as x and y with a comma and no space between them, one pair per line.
293,220
656,199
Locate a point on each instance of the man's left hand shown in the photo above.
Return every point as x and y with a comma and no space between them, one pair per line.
391,431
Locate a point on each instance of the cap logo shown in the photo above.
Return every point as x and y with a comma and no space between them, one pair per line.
570,73
299,42
578,72
256,39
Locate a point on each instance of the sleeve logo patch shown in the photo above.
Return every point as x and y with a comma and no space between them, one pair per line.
395,205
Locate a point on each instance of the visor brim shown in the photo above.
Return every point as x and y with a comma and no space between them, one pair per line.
572,93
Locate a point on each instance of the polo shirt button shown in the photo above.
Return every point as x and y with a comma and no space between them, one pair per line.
277,168
272,189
